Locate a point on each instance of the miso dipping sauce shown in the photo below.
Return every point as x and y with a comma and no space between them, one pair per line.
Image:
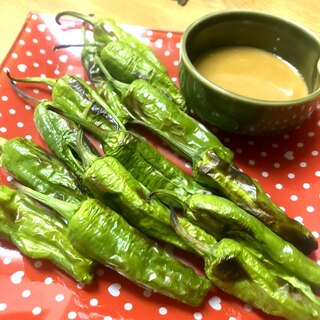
252,72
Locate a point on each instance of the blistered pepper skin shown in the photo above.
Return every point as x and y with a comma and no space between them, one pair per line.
39,234
106,237
35,167
210,170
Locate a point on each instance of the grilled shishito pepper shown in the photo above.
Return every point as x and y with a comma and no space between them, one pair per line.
224,219
104,236
212,171
212,162
35,167
39,234
128,57
235,270
139,157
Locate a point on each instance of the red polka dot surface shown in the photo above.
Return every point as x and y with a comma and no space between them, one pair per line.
287,167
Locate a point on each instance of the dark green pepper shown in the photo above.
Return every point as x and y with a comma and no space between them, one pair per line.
224,219
212,171
39,234
235,270
104,236
140,158
75,96
106,30
108,180
35,167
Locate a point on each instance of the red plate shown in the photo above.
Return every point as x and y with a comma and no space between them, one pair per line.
287,167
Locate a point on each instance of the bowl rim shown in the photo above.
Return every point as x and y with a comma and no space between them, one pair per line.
314,95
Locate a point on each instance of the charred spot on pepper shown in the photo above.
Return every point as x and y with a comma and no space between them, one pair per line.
229,269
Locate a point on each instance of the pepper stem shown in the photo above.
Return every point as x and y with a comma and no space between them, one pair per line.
65,209
178,198
87,18
202,248
119,86
100,134
49,81
21,93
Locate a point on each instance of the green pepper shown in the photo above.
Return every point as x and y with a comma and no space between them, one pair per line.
224,219
140,158
106,30
108,180
75,96
212,162
35,167
235,270
39,234
101,234
212,171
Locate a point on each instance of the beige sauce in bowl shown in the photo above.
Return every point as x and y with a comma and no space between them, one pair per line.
253,73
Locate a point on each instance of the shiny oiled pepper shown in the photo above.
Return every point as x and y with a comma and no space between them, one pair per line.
224,219
212,171
35,167
104,236
212,162
108,180
235,270
140,158
39,234
106,30
75,96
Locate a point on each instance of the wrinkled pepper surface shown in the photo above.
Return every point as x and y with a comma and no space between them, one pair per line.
101,234
235,270
39,234
35,167
212,171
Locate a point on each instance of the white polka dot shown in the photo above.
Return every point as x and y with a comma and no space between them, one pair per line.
147,293
41,27
7,260
311,134
169,35
247,307
158,43
48,37
70,68
14,55
12,111
294,197
48,280
29,53
279,186
299,219
252,162
232,318
22,42
263,154
314,153
4,98
63,58
37,264
197,316
28,137
36,311
59,297
163,311
215,303
34,17
34,40
3,306
275,145
315,234
291,175
302,164
100,272
265,174
28,107
175,63
107,318
42,51
20,124
167,53
306,186
310,209
28,29
128,306
22,67
16,277
72,315
93,302
300,145
317,173
276,165
9,178
26,293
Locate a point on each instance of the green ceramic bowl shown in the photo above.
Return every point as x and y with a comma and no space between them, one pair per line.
236,113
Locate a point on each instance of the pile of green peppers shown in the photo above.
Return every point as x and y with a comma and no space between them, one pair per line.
116,206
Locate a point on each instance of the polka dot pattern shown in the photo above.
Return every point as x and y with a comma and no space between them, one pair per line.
287,167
